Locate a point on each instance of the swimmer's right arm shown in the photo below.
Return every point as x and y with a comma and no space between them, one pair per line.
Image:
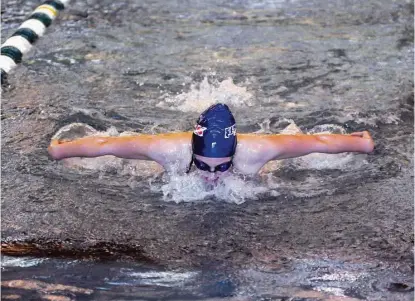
128,147
162,148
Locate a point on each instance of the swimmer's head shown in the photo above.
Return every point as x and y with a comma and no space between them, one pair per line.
215,133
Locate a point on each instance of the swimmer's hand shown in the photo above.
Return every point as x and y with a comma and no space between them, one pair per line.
368,144
83,147
53,148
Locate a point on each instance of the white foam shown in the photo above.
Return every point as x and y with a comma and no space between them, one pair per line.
291,129
331,290
82,128
166,279
206,94
264,127
192,188
339,276
22,262
324,161
327,129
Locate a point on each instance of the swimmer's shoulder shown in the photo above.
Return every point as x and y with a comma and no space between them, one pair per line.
169,149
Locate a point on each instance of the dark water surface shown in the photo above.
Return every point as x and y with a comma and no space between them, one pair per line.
320,227
300,279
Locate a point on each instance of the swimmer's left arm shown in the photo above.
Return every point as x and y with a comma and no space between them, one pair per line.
291,146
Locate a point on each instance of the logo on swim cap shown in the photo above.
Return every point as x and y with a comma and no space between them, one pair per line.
230,131
199,130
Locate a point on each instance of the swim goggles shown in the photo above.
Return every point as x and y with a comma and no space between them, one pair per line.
203,166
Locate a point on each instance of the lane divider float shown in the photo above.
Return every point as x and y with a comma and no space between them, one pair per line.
27,34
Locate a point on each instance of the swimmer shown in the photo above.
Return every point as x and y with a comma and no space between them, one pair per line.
216,148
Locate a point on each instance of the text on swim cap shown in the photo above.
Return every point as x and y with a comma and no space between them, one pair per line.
230,131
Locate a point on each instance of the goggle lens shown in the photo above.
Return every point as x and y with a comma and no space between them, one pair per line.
221,167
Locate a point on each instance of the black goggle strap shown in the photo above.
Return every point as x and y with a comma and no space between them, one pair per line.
190,165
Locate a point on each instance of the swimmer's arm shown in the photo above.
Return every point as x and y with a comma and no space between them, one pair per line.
129,147
162,148
291,146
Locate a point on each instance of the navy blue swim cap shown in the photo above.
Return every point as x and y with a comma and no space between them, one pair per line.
215,133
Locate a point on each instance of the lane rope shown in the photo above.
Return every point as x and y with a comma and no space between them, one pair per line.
27,34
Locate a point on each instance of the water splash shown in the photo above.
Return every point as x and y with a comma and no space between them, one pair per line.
192,188
74,130
206,94
264,127
292,128
327,129
23,262
166,279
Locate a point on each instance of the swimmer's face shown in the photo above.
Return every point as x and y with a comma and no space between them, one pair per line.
214,164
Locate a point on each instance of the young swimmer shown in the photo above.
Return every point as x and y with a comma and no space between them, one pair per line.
215,146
